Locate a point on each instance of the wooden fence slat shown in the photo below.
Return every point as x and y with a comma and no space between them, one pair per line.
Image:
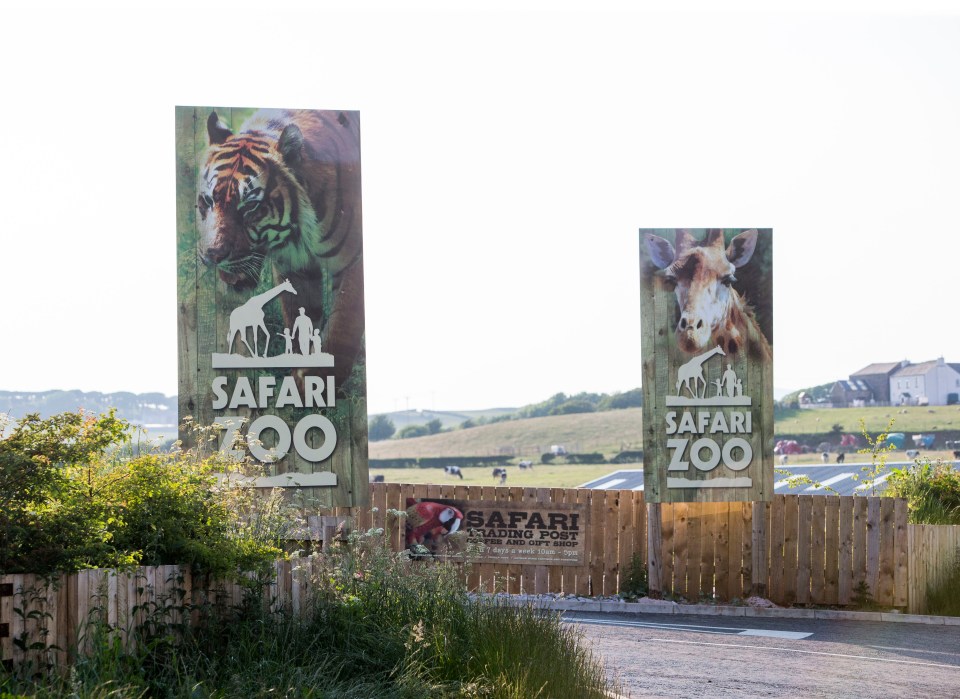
667,559
845,567
695,542
597,515
6,618
831,549
626,536
611,550
817,545
873,545
760,553
680,547
528,573
776,591
708,541
888,558
655,572
555,574
735,552
640,524
721,560
901,575
791,530
859,563
804,547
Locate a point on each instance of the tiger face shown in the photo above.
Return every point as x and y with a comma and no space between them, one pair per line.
249,200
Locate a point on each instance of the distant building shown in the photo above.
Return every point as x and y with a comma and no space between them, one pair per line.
877,378
928,383
855,392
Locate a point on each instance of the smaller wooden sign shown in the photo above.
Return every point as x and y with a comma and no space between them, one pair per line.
518,533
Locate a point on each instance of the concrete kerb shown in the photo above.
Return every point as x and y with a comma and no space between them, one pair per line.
649,606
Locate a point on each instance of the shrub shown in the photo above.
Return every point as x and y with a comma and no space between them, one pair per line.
932,492
70,500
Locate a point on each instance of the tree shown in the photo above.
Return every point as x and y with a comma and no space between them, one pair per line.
381,427
434,426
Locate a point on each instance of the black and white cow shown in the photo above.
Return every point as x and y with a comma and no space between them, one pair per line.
453,471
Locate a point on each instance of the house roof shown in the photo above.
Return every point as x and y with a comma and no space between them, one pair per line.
855,386
916,369
873,369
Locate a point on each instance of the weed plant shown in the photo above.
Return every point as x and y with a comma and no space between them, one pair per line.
944,599
932,492
375,624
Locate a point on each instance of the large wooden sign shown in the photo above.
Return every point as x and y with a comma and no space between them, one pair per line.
270,293
527,534
707,329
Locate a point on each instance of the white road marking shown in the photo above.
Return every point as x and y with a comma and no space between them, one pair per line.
808,652
828,482
725,630
874,483
609,484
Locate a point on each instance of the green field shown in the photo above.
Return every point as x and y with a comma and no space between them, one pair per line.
910,420
541,476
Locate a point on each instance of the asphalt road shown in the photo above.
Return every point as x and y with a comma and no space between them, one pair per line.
679,656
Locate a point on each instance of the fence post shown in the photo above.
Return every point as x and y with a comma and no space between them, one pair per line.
654,548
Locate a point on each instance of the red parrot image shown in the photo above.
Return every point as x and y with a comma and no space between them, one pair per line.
430,520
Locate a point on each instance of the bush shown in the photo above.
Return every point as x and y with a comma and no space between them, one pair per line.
932,492
591,458
70,500
547,458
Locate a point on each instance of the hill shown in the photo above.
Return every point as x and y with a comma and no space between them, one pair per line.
151,410
448,418
609,432
617,430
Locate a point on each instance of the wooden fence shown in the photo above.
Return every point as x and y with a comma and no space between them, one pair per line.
814,550
934,551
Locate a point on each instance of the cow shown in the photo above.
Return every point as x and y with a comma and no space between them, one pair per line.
913,453
956,453
525,464
783,459
500,473
825,457
379,478
453,471
841,458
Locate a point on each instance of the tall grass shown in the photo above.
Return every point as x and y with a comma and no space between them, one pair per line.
377,624
944,599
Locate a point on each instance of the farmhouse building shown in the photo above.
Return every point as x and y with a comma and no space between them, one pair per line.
928,383
852,393
877,378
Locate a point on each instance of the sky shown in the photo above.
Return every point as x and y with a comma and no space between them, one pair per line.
509,158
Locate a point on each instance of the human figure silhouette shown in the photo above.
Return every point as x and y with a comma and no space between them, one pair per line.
303,329
287,341
719,384
730,380
315,342
739,386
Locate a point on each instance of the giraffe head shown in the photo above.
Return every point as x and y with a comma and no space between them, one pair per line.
701,274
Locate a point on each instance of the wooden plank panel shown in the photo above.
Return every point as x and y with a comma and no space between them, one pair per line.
626,536
746,537
831,549
873,545
817,543
901,580
682,585
640,524
528,573
597,523
583,572
611,548
488,572
916,592
776,591
6,618
667,540
888,558
515,586
721,553
655,572
859,557
708,543
735,552
760,553
845,565
555,574
791,531
804,547
695,534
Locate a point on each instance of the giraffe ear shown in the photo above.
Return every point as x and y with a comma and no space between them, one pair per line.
741,248
714,238
661,251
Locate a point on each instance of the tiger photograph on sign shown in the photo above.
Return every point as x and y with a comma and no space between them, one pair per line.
270,291
707,330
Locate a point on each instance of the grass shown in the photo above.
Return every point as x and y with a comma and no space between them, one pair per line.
944,599
377,625
542,475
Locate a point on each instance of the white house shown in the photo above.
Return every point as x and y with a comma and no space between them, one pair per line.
928,383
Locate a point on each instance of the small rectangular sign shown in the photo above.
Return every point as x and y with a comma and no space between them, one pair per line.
707,332
521,533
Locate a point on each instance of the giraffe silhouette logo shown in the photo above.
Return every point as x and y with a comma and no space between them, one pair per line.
248,322
692,383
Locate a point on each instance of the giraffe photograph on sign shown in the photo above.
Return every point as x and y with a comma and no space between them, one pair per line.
707,330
